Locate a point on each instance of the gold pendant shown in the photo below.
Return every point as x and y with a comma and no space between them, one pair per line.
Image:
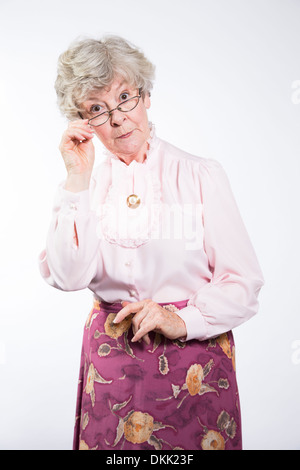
133,201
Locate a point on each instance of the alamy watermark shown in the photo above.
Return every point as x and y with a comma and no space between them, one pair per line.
296,352
295,96
2,353
158,221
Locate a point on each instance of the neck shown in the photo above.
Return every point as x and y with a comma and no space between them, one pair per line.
128,159
139,157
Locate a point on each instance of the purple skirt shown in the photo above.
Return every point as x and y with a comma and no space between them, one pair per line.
164,396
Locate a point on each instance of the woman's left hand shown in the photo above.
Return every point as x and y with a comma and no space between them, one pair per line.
150,316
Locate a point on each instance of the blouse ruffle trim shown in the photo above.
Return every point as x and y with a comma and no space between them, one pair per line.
120,224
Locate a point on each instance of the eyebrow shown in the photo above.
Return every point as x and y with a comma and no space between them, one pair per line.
95,98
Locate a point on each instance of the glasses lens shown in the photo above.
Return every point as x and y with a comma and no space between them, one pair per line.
99,120
126,106
129,105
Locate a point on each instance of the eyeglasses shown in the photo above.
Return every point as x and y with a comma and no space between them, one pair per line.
124,107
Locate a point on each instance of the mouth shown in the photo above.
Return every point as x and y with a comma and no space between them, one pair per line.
125,136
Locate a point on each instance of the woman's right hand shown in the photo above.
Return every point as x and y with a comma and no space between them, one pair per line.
78,152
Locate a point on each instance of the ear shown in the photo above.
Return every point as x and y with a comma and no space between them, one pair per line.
147,100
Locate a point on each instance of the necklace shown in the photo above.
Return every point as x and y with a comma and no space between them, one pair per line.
133,200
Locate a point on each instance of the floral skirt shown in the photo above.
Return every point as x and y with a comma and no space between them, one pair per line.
164,396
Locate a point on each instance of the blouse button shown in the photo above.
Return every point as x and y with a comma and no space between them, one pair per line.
133,293
128,263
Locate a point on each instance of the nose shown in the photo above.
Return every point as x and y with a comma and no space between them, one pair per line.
117,118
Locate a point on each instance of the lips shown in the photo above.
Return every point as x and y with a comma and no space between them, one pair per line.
125,136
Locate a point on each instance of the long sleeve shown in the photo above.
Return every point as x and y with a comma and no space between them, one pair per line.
231,297
71,258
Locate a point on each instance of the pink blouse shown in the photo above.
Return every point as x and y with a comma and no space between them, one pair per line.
185,241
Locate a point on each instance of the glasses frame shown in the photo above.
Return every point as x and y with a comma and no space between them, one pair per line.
109,113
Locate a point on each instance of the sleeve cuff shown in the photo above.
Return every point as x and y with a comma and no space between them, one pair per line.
195,323
78,202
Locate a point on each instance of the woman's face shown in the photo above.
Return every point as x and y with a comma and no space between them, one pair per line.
124,134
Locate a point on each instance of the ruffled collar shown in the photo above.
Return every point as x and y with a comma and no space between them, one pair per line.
151,141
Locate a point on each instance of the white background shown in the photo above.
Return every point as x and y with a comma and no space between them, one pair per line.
231,68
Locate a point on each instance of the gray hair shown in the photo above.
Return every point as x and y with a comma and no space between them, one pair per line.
91,64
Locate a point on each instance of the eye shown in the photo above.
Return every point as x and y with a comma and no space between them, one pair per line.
96,108
124,96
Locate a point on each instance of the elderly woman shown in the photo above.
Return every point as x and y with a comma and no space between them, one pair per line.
156,235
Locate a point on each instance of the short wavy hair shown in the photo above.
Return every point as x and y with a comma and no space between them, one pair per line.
90,64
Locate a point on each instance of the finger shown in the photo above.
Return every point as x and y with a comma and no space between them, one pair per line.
143,332
76,141
79,134
146,339
137,319
132,307
124,303
79,126
69,140
78,121
135,325
81,123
